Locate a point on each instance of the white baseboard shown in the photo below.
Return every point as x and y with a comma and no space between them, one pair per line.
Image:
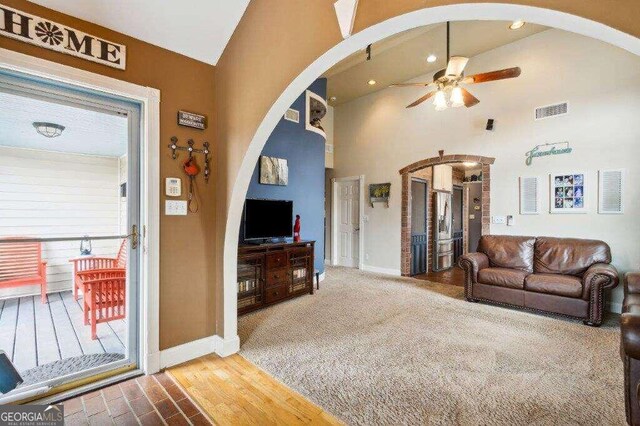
192,350
386,271
188,351
226,347
323,276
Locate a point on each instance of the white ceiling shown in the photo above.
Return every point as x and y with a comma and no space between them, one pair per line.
403,57
199,29
86,132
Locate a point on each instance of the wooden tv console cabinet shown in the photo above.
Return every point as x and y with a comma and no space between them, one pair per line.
272,273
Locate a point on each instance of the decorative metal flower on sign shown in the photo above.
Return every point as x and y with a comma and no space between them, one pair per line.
49,33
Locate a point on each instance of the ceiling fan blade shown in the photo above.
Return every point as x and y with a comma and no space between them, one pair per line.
469,99
492,76
410,84
421,100
456,65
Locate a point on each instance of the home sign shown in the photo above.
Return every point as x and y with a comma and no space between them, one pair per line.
542,151
53,36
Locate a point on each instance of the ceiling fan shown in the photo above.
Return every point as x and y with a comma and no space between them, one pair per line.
449,80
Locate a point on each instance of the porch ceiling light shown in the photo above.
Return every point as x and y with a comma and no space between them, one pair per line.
49,130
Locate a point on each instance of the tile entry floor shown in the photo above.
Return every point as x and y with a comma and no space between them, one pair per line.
146,400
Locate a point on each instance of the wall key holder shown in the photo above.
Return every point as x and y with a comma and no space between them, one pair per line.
190,149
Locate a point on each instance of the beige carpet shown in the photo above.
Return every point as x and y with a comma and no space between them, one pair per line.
373,349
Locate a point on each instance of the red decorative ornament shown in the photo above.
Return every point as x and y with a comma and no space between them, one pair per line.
296,229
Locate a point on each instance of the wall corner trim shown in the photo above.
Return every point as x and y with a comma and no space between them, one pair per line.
225,347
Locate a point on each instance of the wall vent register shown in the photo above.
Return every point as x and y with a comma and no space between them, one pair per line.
529,200
551,111
292,115
610,188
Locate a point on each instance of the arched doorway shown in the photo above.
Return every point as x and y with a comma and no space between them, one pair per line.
458,12
405,222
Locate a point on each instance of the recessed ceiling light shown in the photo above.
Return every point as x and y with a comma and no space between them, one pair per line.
371,82
431,58
469,164
516,25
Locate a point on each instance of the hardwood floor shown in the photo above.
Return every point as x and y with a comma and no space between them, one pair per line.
234,391
453,276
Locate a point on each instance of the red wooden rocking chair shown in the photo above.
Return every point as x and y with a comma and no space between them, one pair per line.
21,264
104,292
91,263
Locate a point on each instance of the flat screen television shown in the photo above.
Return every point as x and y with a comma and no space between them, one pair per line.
267,219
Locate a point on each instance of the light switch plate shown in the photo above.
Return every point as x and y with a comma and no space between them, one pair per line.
499,220
175,208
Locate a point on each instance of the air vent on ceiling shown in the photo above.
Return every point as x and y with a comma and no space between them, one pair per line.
610,189
292,115
552,111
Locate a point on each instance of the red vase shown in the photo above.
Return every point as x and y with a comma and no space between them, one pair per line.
296,229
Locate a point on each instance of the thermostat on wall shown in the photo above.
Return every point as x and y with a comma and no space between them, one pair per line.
173,187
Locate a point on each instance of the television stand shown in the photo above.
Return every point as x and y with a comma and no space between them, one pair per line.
272,273
266,241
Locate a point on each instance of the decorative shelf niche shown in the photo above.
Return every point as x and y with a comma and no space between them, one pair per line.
316,110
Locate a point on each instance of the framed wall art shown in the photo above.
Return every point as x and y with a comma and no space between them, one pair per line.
274,171
568,192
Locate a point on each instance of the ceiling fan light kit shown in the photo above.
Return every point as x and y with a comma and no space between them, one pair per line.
448,80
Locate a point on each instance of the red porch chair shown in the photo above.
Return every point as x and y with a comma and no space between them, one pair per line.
21,264
90,263
104,298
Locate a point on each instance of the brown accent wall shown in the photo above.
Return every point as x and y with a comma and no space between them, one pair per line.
187,249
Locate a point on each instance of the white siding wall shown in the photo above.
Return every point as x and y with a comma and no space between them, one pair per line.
49,194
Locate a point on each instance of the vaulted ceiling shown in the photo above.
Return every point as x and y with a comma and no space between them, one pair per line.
199,29
404,56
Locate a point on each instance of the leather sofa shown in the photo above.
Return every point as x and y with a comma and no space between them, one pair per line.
630,346
566,276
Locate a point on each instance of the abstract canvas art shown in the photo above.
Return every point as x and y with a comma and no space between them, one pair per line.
274,171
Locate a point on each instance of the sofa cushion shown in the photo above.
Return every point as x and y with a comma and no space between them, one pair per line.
508,251
560,285
568,256
502,277
631,300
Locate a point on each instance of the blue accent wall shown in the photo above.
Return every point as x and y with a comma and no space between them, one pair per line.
304,152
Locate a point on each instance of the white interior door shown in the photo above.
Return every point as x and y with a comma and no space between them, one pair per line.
348,223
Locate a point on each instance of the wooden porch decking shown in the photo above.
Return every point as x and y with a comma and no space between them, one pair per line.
33,334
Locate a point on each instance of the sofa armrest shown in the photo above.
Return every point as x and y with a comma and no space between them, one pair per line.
472,263
632,282
630,334
599,276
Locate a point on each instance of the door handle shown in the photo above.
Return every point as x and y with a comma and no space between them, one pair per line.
357,229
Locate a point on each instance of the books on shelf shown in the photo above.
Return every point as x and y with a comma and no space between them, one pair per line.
246,301
246,285
299,273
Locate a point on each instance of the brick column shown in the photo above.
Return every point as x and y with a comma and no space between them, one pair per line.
405,223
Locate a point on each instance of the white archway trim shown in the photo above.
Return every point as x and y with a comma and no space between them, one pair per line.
459,12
